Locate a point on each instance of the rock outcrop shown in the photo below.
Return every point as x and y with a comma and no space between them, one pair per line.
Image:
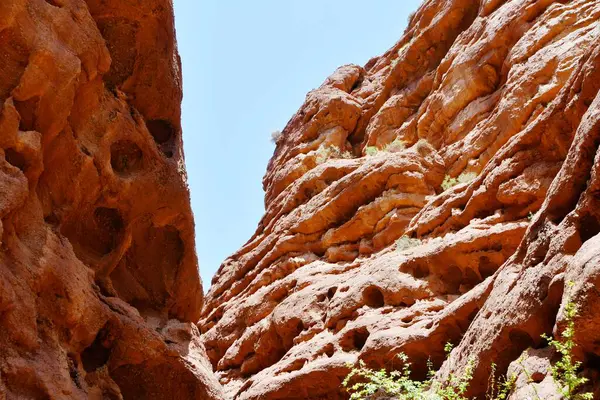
447,191
99,287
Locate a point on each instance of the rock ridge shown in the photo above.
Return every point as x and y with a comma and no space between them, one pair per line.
443,192
99,284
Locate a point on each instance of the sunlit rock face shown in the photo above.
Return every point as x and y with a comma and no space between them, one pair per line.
445,192
99,286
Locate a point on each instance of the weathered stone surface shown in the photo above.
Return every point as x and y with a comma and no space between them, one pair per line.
503,96
99,288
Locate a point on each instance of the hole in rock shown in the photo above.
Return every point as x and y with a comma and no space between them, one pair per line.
331,292
408,319
421,271
355,339
109,225
54,3
125,157
521,339
588,227
472,315
329,350
15,159
27,110
373,297
537,376
360,338
97,354
146,274
321,297
162,131
52,219
452,276
356,85
164,134
486,267
471,277
299,328
592,360
543,286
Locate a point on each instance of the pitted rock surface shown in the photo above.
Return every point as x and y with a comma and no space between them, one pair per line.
365,251
99,286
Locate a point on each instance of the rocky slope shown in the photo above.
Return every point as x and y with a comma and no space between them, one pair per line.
99,287
367,249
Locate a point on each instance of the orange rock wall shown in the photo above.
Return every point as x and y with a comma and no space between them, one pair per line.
446,191
99,286
365,251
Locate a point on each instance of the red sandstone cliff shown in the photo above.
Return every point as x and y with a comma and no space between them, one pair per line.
99,287
365,251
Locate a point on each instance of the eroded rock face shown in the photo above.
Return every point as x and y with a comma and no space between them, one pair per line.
365,252
99,287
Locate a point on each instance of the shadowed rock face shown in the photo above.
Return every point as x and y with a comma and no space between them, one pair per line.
99,287
365,252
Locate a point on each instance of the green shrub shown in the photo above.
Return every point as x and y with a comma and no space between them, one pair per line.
324,153
396,145
381,384
371,150
501,389
465,177
449,182
275,136
405,243
565,370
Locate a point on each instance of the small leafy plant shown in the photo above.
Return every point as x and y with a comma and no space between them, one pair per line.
565,370
324,153
396,145
371,150
450,182
380,384
499,389
455,387
406,242
275,136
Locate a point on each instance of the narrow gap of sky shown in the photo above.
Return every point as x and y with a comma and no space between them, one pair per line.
247,67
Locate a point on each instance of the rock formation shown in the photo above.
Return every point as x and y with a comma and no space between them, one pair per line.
446,191
99,287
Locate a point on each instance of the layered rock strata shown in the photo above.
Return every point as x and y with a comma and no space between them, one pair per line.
446,191
99,287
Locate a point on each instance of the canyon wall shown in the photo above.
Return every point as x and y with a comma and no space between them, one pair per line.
447,191
99,284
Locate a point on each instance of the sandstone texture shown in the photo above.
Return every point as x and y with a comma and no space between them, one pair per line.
99,286
366,251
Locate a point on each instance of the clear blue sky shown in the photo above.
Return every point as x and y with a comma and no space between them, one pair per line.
247,66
